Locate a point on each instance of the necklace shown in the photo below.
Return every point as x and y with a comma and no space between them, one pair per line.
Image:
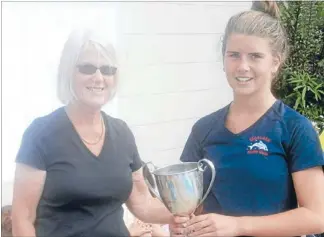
100,137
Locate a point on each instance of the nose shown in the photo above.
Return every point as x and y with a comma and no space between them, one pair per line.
243,65
98,76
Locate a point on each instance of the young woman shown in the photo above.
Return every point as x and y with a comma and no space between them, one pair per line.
268,158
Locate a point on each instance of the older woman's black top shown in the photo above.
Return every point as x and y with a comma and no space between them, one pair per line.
83,194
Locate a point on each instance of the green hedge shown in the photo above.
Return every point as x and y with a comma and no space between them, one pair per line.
301,82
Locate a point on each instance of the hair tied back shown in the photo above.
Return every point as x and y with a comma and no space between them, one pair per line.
267,6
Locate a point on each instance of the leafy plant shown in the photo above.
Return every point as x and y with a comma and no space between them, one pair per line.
305,86
301,82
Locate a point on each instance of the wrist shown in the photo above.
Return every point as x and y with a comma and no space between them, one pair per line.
243,226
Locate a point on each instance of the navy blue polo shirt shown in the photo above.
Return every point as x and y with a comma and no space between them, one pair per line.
83,194
254,168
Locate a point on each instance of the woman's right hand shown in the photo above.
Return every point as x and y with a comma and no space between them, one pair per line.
139,229
177,227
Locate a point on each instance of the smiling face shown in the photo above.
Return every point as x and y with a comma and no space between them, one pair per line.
94,78
249,64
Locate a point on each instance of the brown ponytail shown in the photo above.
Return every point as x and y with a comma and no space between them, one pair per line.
268,7
262,21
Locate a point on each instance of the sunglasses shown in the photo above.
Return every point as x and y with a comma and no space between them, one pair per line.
89,69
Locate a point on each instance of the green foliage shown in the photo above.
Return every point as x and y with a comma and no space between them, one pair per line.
301,82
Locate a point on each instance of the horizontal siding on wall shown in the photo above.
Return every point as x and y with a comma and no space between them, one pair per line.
157,136
161,158
148,109
177,18
159,49
171,70
166,78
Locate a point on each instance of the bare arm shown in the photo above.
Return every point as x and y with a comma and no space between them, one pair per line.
308,218
143,205
28,188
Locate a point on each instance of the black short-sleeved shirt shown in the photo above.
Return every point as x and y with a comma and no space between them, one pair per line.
83,194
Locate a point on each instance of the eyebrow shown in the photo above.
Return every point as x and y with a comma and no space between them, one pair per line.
231,52
259,53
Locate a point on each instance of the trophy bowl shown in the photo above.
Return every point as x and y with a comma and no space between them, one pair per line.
179,186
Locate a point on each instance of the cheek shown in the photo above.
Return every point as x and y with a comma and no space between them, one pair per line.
226,62
79,83
80,80
264,69
261,67
110,81
228,66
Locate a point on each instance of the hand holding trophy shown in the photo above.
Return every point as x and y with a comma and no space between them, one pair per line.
179,186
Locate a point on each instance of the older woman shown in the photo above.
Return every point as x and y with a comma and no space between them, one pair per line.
78,165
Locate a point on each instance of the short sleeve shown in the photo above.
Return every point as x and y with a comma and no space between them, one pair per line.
305,149
192,151
30,152
136,160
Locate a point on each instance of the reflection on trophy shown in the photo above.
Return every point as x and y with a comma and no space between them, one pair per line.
179,186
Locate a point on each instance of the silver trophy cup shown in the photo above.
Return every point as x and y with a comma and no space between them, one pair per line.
179,186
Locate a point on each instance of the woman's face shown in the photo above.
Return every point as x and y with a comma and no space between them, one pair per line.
94,79
249,64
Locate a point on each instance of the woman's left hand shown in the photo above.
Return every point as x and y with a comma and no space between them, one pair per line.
213,225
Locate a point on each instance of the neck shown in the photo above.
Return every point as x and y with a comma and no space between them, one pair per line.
252,104
83,115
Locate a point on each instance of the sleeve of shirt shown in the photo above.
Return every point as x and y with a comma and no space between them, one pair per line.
30,152
192,151
137,162
305,149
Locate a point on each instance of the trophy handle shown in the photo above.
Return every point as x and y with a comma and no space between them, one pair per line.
202,168
149,179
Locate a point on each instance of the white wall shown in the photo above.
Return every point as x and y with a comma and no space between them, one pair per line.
172,71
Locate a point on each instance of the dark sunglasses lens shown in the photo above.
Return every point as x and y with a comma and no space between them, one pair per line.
107,70
87,69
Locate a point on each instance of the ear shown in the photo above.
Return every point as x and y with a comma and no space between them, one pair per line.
276,63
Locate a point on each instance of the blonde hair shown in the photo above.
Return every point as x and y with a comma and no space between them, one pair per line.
263,20
78,41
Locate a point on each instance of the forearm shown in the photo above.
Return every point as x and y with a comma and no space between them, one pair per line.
23,228
153,211
291,223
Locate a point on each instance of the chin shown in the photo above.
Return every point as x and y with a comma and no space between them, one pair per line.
244,92
94,104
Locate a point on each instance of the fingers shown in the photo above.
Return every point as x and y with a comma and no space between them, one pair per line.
207,231
138,232
180,219
177,232
177,229
198,226
197,219
139,228
144,232
177,235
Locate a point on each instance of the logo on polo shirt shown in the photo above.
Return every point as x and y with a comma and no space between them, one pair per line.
258,145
